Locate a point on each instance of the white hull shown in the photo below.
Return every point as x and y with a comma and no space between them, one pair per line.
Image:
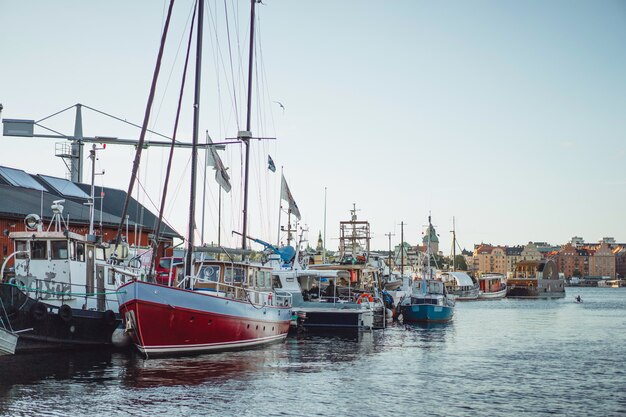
492,295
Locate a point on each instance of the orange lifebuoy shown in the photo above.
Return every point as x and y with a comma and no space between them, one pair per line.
363,297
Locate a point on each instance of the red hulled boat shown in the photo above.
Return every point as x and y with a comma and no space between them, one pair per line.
216,309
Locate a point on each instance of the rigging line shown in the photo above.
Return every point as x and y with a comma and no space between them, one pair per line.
169,78
157,230
59,112
179,186
230,56
144,126
126,121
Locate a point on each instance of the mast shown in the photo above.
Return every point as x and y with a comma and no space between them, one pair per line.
401,248
247,135
324,241
194,145
453,245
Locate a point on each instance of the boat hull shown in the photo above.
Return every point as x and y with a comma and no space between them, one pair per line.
164,320
492,295
43,326
426,313
540,289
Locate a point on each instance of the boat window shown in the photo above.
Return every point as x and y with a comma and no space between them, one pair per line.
233,275
21,246
39,249
276,282
209,273
80,252
58,249
435,287
72,248
100,254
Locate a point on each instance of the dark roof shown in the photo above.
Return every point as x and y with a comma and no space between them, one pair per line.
114,202
18,202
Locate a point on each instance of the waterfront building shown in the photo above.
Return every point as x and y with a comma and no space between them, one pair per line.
602,262
513,257
573,261
531,252
490,259
620,261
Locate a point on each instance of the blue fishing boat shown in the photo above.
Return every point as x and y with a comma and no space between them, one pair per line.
429,301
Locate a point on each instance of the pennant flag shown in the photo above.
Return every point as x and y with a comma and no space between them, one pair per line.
270,164
214,160
285,194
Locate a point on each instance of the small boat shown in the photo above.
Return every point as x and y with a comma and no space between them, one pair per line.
429,301
492,286
460,285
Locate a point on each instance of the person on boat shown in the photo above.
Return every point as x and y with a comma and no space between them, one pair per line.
578,299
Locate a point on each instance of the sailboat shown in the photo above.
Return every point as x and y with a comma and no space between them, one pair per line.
217,305
429,301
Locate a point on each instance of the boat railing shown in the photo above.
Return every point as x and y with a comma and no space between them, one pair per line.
59,292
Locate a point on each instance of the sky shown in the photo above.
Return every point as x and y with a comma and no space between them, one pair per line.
506,115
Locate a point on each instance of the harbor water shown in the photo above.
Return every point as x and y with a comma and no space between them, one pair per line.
496,358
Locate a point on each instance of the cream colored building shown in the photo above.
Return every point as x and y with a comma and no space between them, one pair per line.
602,262
490,259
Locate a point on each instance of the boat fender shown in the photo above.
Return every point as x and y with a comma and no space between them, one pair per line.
65,313
109,317
363,297
39,311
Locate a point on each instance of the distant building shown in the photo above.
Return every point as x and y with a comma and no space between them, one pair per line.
531,252
573,261
577,241
490,259
513,257
602,262
432,237
620,261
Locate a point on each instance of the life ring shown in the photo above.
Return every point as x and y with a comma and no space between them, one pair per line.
39,311
363,297
65,313
109,317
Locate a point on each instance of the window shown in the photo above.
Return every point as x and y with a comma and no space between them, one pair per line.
276,282
39,249
80,252
234,275
210,273
58,249
21,246
100,254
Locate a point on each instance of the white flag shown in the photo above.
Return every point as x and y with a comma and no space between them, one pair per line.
214,160
285,194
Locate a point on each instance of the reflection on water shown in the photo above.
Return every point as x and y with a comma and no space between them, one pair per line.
504,357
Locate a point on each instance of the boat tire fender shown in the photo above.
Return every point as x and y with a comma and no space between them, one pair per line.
65,313
39,311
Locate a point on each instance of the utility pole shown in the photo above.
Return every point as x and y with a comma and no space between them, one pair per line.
389,236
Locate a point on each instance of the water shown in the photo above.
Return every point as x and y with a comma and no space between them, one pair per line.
505,357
